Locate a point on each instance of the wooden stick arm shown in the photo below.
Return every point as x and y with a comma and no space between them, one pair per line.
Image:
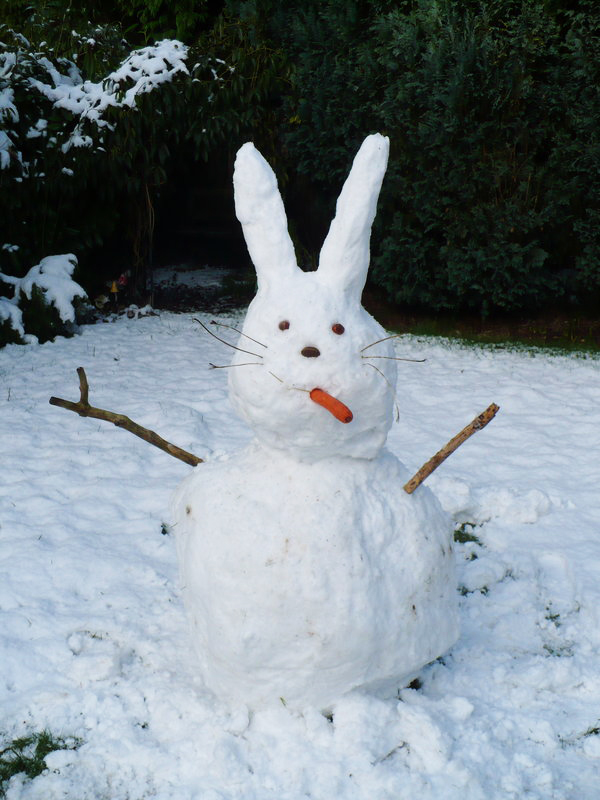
476,425
84,409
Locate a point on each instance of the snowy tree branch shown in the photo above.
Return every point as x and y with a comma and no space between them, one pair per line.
84,409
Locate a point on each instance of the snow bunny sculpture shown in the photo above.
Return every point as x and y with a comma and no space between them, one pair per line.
306,570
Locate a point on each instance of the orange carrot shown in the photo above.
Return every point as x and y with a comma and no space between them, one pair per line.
335,407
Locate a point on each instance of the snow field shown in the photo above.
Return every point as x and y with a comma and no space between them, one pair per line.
93,637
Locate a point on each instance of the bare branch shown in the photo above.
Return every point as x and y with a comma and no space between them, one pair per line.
84,409
478,423
84,388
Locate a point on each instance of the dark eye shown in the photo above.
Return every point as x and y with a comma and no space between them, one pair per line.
284,325
338,328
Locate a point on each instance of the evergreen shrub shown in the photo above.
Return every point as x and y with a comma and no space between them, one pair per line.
492,196
45,303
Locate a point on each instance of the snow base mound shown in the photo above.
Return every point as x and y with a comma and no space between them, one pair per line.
306,581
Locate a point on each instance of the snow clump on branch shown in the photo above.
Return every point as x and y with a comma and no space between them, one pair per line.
142,71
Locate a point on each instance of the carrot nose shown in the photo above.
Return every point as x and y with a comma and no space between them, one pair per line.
334,406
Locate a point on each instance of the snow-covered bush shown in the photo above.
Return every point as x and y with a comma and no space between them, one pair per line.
49,199
65,169
86,138
37,87
142,71
11,323
44,304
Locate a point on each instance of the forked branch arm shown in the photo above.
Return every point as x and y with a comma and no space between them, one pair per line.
84,409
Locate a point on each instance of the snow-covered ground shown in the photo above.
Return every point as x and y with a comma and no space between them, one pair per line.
189,277
93,638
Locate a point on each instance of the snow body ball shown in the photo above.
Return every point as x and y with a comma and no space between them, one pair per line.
306,569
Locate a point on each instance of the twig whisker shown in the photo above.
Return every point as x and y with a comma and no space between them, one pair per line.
229,366
385,339
293,388
223,341
232,328
396,358
396,404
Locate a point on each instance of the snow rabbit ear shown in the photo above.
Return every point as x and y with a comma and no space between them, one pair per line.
259,208
344,258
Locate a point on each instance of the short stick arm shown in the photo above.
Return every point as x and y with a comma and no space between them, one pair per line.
476,425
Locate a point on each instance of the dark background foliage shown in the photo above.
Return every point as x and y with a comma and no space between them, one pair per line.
492,197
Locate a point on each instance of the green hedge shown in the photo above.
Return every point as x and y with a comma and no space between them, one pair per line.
492,197
496,152
491,200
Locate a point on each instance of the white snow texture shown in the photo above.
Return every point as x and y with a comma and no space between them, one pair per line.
306,572
93,640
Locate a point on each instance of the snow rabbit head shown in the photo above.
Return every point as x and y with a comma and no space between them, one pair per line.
307,330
